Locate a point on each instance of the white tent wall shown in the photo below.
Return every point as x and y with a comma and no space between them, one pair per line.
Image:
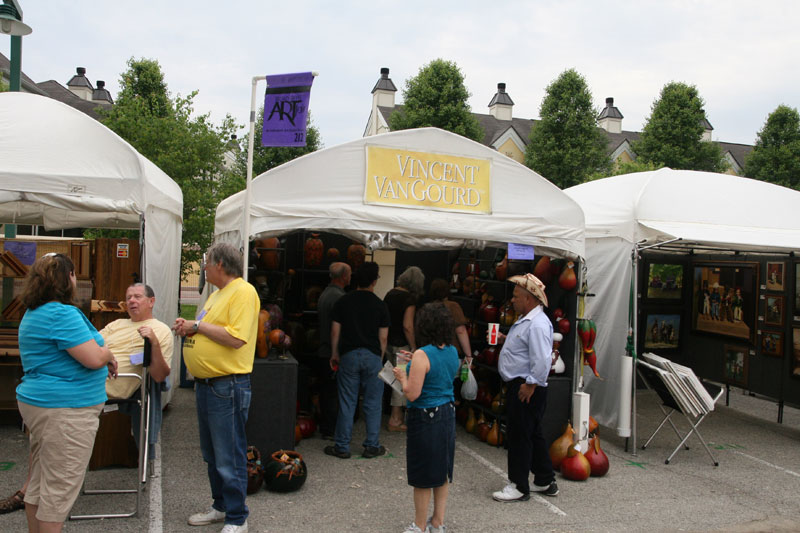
62,169
325,190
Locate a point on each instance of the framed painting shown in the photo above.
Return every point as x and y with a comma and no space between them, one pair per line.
775,276
773,312
796,352
664,281
662,331
734,371
772,343
725,299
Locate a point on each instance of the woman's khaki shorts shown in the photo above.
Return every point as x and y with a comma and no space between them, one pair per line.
61,444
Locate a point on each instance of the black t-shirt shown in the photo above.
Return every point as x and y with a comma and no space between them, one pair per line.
360,314
398,300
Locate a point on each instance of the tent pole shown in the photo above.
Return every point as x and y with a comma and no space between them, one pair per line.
143,251
634,336
248,197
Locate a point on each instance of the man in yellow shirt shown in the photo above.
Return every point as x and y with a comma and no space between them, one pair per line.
125,338
219,351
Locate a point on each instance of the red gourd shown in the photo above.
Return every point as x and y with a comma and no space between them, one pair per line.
356,254
567,280
268,256
590,359
261,334
542,270
307,425
598,460
563,326
276,337
560,446
575,466
312,251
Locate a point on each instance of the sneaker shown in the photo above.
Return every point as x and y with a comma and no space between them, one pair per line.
331,450
510,494
230,528
430,529
372,451
413,528
546,490
209,517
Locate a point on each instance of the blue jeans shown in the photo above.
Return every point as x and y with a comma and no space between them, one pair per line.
358,368
222,407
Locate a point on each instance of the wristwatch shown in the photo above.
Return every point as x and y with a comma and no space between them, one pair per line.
196,326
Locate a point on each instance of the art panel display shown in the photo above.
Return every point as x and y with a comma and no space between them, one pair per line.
662,332
773,311
735,365
725,299
772,343
775,277
664,281
796,352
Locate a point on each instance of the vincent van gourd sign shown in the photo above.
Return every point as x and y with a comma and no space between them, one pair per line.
406,178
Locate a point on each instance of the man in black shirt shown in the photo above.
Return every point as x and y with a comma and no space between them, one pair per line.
359,332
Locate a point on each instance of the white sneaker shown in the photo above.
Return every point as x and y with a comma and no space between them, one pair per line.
209,517
510,494
230,528
431,529
413,528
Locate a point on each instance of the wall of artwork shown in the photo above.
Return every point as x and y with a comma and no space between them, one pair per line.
733,319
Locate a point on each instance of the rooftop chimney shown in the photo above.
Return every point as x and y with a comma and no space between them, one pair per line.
80,85
101,93
501,105
610,118
382,96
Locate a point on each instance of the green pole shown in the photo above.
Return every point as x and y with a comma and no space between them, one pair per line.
15,76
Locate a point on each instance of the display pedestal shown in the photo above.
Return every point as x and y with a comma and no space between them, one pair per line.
272,416
556,416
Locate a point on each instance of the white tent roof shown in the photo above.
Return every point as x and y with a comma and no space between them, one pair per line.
715,210
325,191
62,169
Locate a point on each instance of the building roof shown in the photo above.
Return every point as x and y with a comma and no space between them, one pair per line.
27,83
56,91
739,152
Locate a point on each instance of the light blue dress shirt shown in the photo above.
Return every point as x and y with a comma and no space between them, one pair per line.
527,352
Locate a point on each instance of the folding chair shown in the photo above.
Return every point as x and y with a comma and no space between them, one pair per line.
143,402
674,400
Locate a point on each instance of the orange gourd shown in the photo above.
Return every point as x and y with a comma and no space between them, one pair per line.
560,446
575,466
470,425
261,334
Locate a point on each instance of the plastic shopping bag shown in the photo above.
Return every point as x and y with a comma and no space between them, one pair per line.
469,389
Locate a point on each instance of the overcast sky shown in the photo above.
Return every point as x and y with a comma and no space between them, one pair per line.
743,56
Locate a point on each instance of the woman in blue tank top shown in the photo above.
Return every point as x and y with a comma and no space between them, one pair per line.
431,436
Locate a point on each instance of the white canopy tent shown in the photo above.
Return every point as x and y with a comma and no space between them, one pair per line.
325,190
62,169
689,210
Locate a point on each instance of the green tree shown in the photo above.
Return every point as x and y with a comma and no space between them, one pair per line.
673,133
188,148
268,157
437,97
776,155
3,85
565,144
629,167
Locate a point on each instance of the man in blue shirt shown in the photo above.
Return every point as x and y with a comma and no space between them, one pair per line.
524,365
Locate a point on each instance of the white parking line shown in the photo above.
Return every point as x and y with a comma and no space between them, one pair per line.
156,504
763,462
500,472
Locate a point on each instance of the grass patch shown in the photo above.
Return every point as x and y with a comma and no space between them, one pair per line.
188,311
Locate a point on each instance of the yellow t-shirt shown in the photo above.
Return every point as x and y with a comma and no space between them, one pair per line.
123,339
235,307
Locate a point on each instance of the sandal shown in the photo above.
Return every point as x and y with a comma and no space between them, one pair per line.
396,427
13,503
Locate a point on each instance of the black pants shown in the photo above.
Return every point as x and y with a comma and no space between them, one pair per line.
527,448
328,395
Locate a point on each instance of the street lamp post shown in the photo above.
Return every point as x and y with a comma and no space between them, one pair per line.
11,24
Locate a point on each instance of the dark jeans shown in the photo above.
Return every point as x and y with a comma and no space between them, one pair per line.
222,407
328,395
527,448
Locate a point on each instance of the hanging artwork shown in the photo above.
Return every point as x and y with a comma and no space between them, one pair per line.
725,299
735,365
775,276
773,312
772,343
797,292
662,332
664,281
796,352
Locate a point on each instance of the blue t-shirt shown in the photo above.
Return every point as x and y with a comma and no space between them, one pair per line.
437,389
53,378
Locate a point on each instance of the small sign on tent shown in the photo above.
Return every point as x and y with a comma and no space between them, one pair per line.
286,109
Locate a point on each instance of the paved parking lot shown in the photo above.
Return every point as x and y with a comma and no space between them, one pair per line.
754,489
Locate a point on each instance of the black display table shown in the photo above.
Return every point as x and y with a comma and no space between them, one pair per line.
272,416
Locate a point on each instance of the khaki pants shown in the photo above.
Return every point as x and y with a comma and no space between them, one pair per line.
61,441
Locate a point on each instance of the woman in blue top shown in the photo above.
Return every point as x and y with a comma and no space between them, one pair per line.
62,392
431,436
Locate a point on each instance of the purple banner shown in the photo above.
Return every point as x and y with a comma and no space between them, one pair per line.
286,109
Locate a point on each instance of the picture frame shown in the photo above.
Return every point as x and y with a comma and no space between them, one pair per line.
797,292
664,281
725,299
662,331
775,275
772,343
735,365
773,310
796,353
